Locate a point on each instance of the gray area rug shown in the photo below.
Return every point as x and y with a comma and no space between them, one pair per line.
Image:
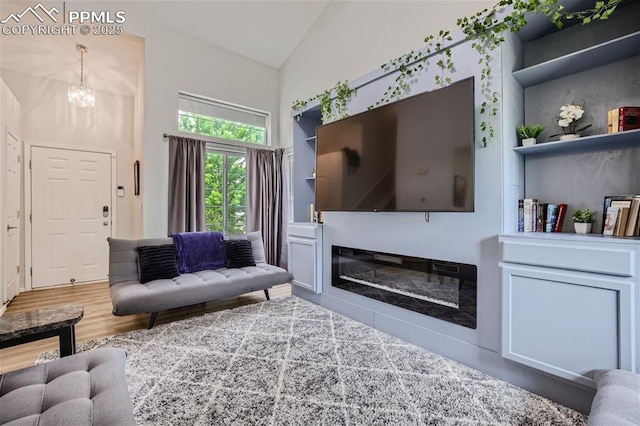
291,362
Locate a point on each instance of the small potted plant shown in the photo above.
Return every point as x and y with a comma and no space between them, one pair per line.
529,133
582,220
568,119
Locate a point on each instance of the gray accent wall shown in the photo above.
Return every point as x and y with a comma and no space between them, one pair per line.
501,178
460,237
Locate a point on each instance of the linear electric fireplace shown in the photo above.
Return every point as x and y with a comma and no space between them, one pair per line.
438,288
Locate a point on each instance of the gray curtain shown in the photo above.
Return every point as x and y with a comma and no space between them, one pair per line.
186,184
265,200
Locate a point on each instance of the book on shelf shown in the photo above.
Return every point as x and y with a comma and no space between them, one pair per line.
623,118
610,220
632,221
628,118
552,215
612,121
541,214
636,233
521,215
562,210
535,216
529,214
621,222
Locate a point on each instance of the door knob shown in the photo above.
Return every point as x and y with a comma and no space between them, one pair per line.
9,227
105,223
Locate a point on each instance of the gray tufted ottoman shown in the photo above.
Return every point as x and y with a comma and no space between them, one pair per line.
88,388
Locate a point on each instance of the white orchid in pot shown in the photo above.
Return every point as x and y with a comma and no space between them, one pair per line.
568,119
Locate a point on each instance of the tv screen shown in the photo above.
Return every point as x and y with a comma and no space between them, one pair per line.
416,154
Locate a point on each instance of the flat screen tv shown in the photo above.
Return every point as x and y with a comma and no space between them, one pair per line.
412,155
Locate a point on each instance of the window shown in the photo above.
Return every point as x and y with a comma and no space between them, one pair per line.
222,121
225,192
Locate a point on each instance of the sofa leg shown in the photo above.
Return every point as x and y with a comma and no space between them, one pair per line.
152,320
266,293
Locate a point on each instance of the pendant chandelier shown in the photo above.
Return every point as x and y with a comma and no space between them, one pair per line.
81,96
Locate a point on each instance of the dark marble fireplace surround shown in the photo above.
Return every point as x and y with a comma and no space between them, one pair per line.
438,288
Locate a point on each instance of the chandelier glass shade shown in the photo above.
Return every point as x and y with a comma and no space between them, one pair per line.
81,96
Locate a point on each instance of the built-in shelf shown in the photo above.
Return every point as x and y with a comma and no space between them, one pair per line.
585,143
571,236
600,54
539,25
312,139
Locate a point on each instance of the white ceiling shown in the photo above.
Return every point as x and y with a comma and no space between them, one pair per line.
111,63
266,31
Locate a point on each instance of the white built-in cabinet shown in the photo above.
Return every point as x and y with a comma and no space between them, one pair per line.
568,303
305,255
304,162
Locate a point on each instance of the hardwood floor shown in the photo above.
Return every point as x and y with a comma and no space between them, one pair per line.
98,321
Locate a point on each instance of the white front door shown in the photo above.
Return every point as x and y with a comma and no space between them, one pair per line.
70,216
12,215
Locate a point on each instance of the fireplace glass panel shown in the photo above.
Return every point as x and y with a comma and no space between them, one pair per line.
442,289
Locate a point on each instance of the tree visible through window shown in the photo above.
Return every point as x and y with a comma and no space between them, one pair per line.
219,128
222,121
225,192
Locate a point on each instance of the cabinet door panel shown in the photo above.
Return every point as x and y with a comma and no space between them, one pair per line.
302,262
566,324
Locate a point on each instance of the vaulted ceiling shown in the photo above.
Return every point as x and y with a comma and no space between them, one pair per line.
266,31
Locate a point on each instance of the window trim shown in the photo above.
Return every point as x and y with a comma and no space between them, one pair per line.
230,105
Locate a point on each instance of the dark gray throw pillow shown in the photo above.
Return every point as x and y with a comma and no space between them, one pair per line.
157,262
239,253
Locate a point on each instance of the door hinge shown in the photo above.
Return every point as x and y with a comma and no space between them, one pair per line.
29,217
29,164
31,271
18,269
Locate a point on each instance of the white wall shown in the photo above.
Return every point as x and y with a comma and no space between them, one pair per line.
9,109
351,38
47,117
175,62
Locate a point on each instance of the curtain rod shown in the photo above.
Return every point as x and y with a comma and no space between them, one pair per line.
241,145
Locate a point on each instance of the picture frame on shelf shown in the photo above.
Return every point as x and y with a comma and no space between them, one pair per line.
610,220
619,201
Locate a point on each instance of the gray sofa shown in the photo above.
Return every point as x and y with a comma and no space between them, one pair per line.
617,400
129,296
89,388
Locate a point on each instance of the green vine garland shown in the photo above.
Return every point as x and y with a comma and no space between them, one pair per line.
486,28
330,108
